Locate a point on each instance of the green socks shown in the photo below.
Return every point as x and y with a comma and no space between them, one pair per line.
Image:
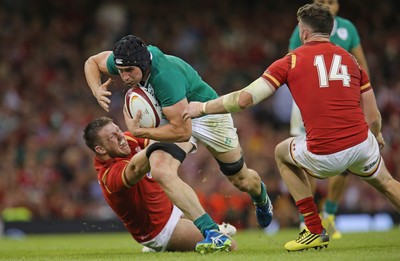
330,207
262,198
301,218
204,223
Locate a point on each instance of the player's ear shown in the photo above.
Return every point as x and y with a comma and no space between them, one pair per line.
100,150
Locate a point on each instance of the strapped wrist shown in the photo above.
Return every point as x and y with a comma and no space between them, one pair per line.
203,109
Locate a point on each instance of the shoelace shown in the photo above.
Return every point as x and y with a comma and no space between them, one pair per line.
217,240
303,234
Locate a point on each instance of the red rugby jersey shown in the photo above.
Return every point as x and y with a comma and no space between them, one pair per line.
144,208
326,83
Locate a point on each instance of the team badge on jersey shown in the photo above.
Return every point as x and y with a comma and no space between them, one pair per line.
342,33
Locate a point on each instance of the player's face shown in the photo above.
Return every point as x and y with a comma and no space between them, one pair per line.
113,141
131,75
332,4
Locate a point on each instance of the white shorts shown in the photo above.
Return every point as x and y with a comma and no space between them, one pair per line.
160,242
216,131
363,160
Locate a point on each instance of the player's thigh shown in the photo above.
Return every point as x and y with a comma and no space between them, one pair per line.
381,179
233,155
162,161
163,167
184,237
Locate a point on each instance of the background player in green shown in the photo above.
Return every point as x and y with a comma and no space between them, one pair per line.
174,83
344,34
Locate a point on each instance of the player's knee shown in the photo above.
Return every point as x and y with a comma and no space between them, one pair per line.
163,162
230,169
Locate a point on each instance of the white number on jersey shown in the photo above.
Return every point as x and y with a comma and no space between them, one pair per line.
337,72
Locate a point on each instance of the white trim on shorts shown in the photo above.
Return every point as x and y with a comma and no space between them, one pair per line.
216,131
363,159
160,242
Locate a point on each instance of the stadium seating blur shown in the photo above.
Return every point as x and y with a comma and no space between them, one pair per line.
45,103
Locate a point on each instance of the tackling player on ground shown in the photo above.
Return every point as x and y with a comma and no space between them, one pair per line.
137,199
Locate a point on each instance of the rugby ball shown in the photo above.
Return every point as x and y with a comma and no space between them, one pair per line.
138,98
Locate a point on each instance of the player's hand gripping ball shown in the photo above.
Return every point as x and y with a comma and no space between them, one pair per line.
139,99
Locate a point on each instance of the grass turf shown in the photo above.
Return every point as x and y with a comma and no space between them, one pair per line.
253,245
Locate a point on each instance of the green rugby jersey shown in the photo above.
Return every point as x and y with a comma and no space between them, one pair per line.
171,79
344,34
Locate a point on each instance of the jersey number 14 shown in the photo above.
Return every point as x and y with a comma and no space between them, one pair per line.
337,72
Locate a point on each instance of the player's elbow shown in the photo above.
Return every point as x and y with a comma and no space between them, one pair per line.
89,63
245,100
375,126
374,122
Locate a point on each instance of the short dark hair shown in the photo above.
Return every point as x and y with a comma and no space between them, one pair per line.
317,16
91,131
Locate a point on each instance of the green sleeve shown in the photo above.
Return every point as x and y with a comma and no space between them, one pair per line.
111,65
294,40
355,38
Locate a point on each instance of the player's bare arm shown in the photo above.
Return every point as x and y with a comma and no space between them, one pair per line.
137,167
95,66
177,130
372,115
236,101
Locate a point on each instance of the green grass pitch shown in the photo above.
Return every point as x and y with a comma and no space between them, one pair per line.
253,245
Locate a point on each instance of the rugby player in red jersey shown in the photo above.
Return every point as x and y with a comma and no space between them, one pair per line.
139,201
341,118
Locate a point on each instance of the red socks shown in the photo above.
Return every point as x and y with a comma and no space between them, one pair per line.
309,211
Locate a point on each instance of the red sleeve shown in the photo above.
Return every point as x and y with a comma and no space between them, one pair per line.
277,72
365,84
112,179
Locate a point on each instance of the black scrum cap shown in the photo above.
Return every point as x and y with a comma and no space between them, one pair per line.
132,51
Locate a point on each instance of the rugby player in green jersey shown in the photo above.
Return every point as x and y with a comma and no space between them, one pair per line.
175,83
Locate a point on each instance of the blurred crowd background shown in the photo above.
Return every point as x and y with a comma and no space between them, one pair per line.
46,171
